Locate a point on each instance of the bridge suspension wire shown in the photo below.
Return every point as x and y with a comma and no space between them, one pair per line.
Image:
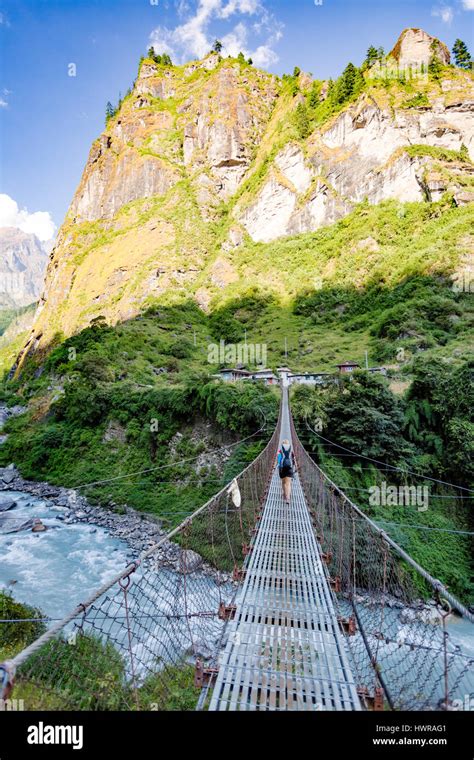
252,604
426,527
389,466
399,609
433,581
168,465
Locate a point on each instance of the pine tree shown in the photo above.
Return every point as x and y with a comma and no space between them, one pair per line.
359,82
109,111
302,120
295,87
241,58
461,55
151,53
330,90
314,95
435,67
372,56
349,84
250,62
345,84
217,48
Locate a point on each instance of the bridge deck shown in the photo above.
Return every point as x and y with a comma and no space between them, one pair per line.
285,650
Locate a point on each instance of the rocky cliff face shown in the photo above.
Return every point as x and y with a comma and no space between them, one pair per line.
201,123
203,158
366,152
22,267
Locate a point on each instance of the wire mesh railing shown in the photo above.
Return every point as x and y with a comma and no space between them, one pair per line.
403,626
145,640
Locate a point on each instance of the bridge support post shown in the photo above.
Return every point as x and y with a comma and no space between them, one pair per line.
238,574
348,625
203,675
227,612
373,701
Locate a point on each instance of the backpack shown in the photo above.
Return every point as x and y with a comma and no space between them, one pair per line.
285,463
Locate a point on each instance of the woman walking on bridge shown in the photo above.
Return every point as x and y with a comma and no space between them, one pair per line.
286,468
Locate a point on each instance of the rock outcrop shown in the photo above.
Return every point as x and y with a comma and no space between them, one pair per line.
212,134
415,47
111,181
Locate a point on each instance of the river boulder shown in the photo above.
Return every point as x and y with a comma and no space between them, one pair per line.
189,561
6,504
8,474
38,526
14,524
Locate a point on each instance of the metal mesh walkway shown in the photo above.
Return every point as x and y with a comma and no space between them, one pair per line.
285,650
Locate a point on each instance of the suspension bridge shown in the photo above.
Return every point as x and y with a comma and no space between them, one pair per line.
251,604
285,648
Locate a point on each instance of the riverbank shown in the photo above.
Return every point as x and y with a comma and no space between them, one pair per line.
140,532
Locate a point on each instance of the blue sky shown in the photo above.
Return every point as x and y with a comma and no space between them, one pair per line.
48,119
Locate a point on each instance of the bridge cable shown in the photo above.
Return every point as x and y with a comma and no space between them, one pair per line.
385,464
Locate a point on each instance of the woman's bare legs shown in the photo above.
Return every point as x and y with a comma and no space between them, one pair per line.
286,484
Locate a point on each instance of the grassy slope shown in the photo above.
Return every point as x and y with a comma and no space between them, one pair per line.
45,683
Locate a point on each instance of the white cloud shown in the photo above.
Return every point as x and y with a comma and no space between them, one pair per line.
182,7
161,39
264,56
468,5
444,12
194,38
3,102
39,223
235,41
240,6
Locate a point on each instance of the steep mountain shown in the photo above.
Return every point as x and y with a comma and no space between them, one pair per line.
322,221
204,160
23,263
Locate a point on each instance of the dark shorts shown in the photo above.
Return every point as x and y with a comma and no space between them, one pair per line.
286,472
